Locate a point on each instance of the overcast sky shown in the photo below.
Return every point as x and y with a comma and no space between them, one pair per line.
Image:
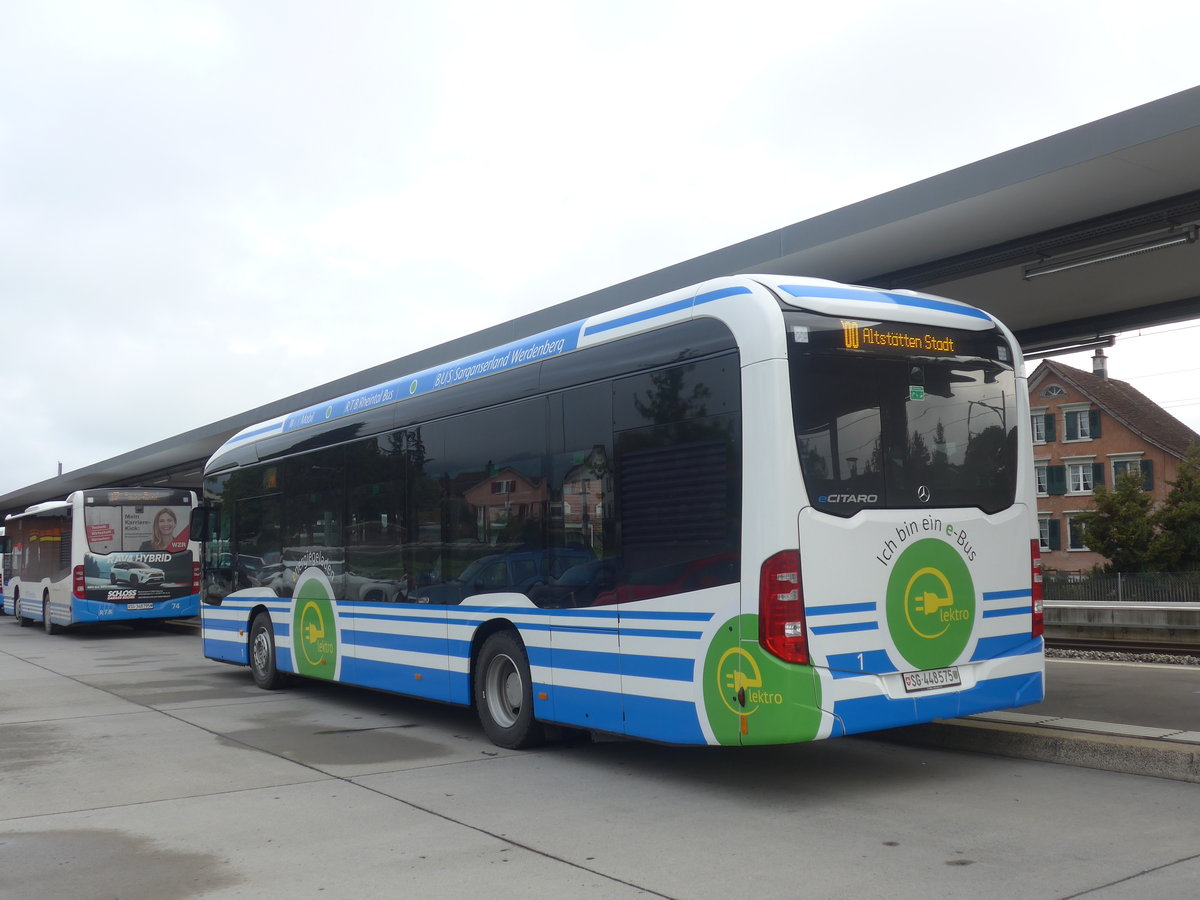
206,206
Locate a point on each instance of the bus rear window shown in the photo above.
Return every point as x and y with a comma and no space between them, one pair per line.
130,521
892,415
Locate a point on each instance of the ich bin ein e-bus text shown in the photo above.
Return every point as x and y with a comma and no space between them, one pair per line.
758,510
107,555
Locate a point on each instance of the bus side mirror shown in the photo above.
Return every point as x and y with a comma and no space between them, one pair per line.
201,520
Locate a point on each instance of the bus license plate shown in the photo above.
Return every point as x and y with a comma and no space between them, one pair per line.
931,679
139,606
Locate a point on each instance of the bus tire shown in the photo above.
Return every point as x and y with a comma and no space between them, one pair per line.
49,626
262,654
21,620
504,693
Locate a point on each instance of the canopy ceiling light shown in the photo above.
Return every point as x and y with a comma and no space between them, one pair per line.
1187,236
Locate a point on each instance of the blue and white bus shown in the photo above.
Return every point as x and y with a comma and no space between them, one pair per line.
106,555
758,510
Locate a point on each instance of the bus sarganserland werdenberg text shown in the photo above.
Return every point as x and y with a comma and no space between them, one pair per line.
106,555
758,510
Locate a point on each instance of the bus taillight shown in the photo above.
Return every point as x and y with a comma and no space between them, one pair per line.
78,583
1039,615
781,630
195,578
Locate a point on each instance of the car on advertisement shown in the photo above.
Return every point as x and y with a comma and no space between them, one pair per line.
133,573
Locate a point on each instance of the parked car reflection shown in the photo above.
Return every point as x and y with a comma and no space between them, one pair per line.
519,572
578,586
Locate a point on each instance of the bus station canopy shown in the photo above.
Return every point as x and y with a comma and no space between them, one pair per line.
1070,238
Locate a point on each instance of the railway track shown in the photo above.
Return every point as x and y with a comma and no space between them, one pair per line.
1126,648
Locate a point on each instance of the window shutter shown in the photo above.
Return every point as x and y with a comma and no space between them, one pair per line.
1094,422
1071,426
1056,479
1147,474
1049,427
1097,475
1055,535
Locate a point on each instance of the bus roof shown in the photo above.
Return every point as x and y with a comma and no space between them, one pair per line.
817,294
41,509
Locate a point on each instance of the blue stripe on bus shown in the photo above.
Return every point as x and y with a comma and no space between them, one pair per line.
663,310
830,292
666,668
1007,595
579,706
224,625
656,719
609,613
609,630
862,714
433,684
1010,611
846,665
607,663
648,632
845,628
1002,645
411,642
256,433
437,619
665,616
841,608
556,626
525,351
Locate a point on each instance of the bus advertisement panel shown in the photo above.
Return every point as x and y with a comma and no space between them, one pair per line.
138,551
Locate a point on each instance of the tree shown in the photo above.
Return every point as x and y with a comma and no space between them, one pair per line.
1121,526
1176,547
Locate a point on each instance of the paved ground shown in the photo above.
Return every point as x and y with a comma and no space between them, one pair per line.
130,767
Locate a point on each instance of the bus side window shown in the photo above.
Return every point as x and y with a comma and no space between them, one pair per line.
678,478
374,521
258,545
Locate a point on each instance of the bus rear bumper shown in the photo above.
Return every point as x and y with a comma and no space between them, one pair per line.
872,702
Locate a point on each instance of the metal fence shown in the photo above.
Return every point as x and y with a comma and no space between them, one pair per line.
1147,587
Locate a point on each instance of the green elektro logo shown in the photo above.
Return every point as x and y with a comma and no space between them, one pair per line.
753,698
930,604
314,627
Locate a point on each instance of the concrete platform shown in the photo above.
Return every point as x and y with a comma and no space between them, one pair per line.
1139,718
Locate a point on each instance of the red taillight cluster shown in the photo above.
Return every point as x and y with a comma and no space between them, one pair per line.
195,578
78,583
781,630
1039,616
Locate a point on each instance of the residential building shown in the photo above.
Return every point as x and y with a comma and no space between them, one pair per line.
1087,430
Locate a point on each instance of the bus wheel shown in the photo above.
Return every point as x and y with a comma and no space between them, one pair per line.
504,693
262,654
50,627
21,620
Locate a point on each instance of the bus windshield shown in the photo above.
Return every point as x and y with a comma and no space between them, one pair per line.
132,521
891,415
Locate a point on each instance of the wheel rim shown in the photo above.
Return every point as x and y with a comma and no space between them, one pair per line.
262,651
503,690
